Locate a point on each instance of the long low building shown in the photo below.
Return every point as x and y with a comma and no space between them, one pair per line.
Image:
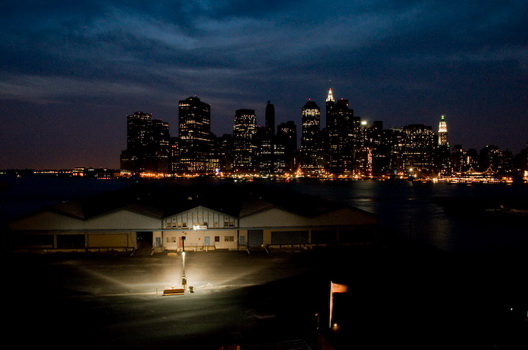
163,217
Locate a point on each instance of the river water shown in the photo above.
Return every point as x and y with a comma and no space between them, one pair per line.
417,210
411,210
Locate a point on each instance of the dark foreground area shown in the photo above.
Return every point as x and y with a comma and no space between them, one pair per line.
403,295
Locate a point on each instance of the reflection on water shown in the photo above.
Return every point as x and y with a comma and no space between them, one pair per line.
409,210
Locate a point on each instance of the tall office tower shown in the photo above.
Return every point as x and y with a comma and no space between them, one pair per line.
343,131
287,139
418,152
161,148
244,148
311,157
265,143
175,155
148,145
396,144
491,157
442,161
472,159
442,132
363,151
224,150
378,141
458,159
270,119
330,102
195,139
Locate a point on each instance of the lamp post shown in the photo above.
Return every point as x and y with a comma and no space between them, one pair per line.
184,279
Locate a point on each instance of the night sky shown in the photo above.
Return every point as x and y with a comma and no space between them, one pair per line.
72,70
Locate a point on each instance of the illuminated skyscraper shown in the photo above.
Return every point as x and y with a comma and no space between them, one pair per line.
195,138
287,139
266,144
330,102
418,149
148,145
443,158
244,130
442,132
312,160
330,96
342,132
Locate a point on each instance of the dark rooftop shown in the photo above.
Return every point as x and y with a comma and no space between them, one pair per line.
163,199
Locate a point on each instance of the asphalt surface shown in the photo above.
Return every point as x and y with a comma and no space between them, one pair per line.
403,296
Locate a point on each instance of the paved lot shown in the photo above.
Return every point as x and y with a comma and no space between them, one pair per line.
412,297
116,302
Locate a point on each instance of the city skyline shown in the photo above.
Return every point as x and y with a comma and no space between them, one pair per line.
346,147
74,70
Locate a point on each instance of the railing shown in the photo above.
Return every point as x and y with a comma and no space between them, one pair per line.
196,247
295,247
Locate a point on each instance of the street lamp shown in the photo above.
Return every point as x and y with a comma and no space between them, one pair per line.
184,279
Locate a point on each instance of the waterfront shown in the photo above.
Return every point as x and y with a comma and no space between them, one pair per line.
424,212
441,280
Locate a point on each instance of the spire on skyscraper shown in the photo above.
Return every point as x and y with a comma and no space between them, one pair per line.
330,97
442,132
442,125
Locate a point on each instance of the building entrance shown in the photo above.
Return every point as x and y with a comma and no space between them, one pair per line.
144,243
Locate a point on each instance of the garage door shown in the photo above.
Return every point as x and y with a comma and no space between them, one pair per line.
289,237
255,238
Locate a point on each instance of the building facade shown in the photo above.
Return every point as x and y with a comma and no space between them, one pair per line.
176,218
245,148
418,150
148,145
195,151
311,153
287,139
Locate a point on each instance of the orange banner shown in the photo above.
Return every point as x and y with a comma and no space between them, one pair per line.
338,288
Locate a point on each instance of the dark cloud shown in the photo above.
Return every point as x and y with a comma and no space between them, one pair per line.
88,64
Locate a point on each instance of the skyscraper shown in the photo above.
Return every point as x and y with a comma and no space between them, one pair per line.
148,145
161,148
195,139
342,135
418,149
330,102
442,160
442,132
266,145
244,130
311,157
270,119
287,138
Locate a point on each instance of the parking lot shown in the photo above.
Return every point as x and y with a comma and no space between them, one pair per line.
414,296
116,302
